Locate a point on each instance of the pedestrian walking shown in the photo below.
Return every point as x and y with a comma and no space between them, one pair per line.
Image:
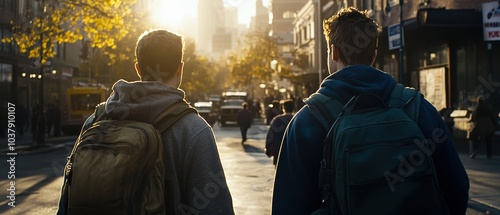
352,38
244,120
484,123
277,130
192,179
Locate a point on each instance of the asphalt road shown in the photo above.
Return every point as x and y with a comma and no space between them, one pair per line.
249,174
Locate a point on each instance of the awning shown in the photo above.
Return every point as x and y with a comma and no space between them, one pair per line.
431,17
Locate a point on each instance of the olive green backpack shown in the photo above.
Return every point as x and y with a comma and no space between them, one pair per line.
117,166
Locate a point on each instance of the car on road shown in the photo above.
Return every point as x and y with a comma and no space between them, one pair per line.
206,110
229,110
231,103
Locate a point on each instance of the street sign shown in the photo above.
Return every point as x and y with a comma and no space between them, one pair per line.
491,21
394,36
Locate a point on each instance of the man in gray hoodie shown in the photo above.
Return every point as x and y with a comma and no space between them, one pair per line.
194,178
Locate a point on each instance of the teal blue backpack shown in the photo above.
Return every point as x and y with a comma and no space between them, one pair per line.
376,159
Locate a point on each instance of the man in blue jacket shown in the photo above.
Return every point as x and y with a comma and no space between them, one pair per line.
352,43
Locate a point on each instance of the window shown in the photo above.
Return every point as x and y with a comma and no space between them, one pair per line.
5,81
7,4
5,73
4,33
367,4
311,23
288,15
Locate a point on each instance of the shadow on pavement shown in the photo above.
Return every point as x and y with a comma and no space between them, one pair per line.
252,149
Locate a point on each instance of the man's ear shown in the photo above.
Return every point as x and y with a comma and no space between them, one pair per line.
137,70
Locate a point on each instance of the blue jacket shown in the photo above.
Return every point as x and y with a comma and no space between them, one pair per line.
296,189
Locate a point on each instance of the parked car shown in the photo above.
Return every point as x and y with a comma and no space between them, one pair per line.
206,110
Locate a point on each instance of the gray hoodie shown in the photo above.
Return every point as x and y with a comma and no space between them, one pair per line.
194,176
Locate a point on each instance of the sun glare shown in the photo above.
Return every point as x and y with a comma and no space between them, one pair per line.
167,13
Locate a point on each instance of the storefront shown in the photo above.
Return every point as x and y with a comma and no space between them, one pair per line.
446,58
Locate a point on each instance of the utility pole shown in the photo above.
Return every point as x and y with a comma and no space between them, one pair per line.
401,42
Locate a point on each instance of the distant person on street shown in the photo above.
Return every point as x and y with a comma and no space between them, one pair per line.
484,122
244,120
273,111
194,178
352,38
277,130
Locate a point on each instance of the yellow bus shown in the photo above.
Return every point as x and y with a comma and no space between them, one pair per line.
80,104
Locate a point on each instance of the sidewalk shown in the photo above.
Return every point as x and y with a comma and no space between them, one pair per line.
484,176
24,144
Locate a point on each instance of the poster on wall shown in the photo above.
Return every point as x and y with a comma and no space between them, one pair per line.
432,84
491,21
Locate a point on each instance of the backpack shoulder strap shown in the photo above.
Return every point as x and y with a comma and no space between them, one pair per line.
324,108
100,112
171,114
407,99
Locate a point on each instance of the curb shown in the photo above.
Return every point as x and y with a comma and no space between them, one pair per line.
483,207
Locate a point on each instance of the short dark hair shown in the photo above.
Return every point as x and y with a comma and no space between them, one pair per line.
354,34
159,53
288,105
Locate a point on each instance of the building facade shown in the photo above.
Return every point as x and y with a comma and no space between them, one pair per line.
211,17
307,39
444,54
21,78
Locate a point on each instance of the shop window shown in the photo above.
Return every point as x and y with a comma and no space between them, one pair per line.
5,72
4,33
432,55
391,65
5,80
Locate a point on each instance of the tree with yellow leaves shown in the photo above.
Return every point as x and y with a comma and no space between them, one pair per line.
67,21
252,59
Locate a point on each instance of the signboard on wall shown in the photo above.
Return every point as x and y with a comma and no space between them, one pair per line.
67,72
432,84
491,21
394,36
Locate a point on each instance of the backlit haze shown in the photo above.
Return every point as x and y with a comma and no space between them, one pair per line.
181,15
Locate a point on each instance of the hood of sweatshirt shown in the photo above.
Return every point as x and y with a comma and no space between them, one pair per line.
355,80
141,100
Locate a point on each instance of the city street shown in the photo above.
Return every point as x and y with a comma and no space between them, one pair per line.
248,171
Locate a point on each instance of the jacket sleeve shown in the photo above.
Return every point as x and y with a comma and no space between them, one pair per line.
270,139
453,179
205,187
296,189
